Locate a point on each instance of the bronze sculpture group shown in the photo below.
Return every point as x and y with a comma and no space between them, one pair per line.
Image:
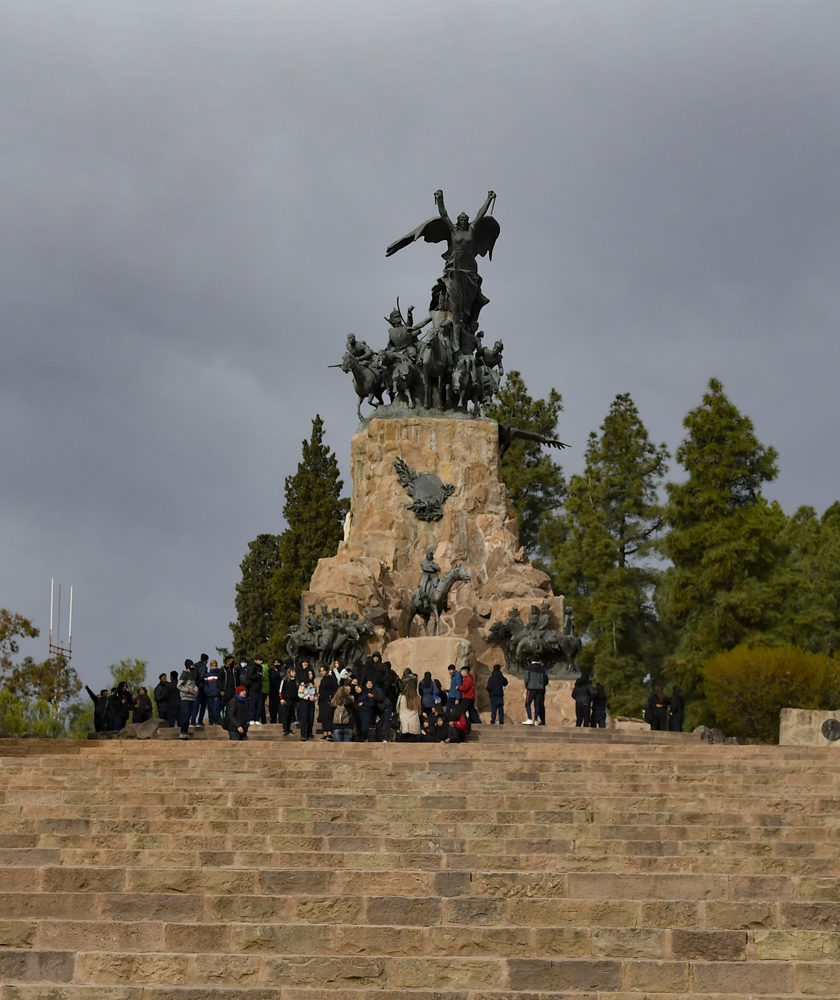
330,636
448,367
522,643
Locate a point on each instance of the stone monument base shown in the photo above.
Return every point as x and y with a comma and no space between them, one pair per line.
378,565
435,653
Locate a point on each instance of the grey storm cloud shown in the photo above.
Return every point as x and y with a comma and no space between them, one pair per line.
196,200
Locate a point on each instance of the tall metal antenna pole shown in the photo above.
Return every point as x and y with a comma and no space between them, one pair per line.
52,595
70,625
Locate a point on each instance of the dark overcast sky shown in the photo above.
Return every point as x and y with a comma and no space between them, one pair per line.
196,200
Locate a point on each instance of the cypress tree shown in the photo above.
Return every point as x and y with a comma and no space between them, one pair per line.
254,598
534,481
315,512
601,548
724,540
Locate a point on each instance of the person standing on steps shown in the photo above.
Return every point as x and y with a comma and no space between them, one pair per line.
496,684
307,697
266,690
466,689
326,692
200,704
383,709
599,708
364,699
254,683
188,689
535,681
677,709
276,673
229,685
289,699
142,707
455,679
342,720
237,715
161,694
100,708
660,711
583,693
174,707
213,686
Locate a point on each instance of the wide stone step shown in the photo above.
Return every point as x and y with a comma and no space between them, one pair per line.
410,910
795,919
436,940
29,991
402,881
475,974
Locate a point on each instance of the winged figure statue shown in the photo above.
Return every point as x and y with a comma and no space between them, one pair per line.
465,242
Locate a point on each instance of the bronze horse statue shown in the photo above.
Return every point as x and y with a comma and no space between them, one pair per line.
436,601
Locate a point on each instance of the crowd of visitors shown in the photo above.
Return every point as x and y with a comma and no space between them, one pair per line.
365,701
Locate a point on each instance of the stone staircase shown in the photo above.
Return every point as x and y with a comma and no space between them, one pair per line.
518,866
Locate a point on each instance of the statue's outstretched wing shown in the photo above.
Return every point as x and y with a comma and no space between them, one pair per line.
434,230
405,476
485,233
507,435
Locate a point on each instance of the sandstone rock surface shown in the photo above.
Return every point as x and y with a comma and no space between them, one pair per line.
377,567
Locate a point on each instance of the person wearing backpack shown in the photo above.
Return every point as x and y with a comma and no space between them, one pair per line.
237,714
342,721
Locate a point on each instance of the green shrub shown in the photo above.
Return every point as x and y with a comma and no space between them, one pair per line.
746,687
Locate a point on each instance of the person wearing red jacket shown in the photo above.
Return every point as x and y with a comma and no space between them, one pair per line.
458,729
467,689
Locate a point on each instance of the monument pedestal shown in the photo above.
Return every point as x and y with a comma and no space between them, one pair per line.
435,653
377,567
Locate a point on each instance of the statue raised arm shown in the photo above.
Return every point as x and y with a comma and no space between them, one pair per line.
465,242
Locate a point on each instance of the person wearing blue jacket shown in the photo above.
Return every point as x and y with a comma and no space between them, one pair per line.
456,679
213,685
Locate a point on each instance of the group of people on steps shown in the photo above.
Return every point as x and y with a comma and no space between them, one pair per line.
365,700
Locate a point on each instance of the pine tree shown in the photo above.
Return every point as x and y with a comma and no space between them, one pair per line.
724,540
601,548
534,481
255,602
315,513
809,581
